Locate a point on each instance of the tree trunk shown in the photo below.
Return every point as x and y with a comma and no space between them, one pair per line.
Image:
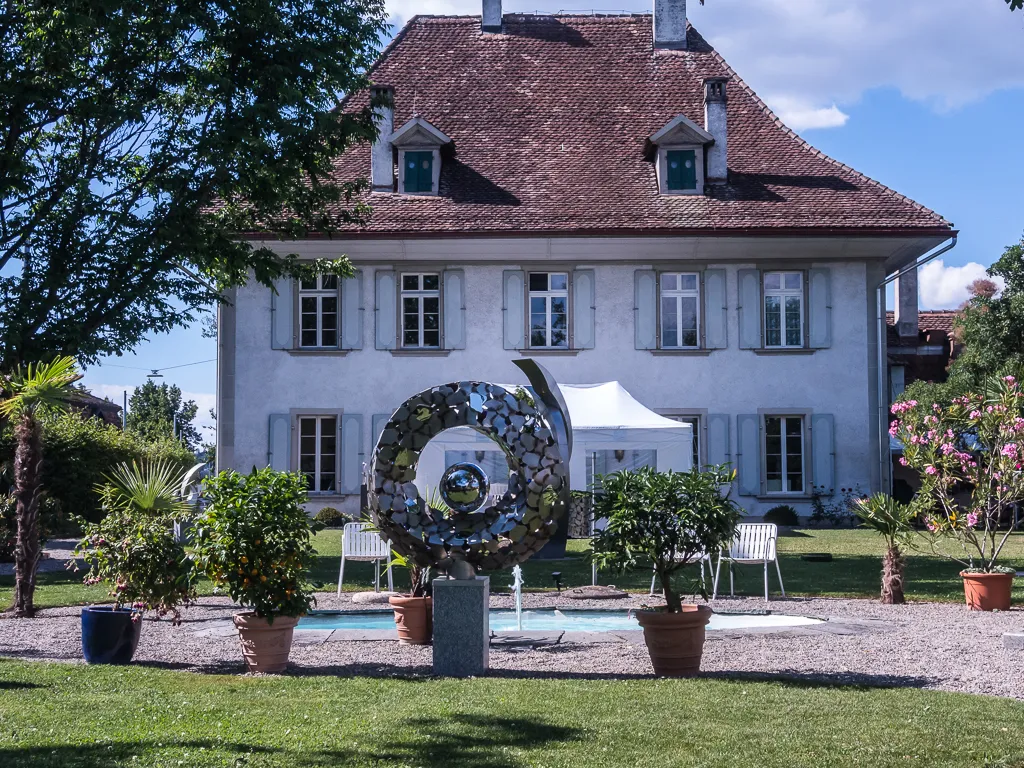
28,459
673,602
893,563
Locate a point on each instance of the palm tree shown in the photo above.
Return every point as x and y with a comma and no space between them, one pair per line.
28,392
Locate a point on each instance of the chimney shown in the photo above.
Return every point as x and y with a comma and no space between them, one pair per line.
716,123
906,306
491,19
670,24
382,163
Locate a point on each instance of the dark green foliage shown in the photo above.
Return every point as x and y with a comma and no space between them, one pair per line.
783,514
139,138
330,517
52,522
78,453
255,538
156,410
664,518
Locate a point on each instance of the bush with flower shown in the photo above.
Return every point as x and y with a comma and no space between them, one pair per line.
970,454
255,538
133,548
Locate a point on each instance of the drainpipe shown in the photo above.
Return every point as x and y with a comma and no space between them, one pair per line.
884,455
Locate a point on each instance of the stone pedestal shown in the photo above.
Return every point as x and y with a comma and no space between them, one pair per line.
462,629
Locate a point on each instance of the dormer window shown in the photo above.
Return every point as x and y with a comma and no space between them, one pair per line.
419,156
679,160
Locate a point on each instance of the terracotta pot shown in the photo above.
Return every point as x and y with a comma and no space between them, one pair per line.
675,640
987,591
265,646
414,618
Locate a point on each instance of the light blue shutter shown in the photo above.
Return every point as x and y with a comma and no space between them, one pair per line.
351,453
282,314
379,420
718,439
386,312
748,453
823,452
513,308
645,308
749,290
352,312
583,308
715,329
819,297
279,442
454,284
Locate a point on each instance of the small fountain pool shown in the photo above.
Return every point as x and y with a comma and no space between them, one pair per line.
553,620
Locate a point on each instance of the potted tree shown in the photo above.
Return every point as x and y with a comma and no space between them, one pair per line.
970,454
414,612
669,519
255,539
894,522
133,549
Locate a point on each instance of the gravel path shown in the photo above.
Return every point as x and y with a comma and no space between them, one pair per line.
56,553
926,645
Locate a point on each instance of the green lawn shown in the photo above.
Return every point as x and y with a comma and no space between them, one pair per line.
76,716
853,572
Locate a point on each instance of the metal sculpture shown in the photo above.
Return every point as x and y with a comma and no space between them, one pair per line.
531,426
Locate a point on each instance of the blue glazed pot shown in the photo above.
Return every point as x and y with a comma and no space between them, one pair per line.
109,636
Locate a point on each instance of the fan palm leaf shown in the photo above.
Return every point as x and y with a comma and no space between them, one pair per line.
39,386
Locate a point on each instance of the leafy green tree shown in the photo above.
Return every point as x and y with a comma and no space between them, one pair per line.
139,139
156,411
28,393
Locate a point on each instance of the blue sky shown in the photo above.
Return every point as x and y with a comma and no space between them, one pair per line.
926,96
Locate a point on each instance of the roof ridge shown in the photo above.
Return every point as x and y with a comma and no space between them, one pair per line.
806,144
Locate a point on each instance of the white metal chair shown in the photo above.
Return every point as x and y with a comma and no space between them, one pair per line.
360,543
754,545
702,559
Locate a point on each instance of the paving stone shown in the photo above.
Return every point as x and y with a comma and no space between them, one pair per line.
1014,641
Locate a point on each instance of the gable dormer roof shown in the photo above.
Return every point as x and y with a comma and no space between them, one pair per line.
418,133
681,130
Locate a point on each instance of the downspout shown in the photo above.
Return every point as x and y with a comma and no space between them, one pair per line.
884,457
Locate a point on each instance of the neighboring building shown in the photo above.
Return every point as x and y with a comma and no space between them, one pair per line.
606,194
89,405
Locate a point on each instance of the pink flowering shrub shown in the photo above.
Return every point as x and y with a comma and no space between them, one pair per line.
972,449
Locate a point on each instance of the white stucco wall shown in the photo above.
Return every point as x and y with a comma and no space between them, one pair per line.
837,380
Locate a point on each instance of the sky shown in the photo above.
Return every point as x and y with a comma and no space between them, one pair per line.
926,96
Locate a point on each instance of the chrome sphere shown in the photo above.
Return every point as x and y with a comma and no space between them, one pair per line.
464,487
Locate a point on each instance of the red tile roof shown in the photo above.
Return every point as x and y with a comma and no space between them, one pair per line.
929,319
549,122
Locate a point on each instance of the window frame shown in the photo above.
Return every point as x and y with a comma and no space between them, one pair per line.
420,294
435,169
662,168
700,300
700,434
297,415
319,293
549,294
805,452
783,293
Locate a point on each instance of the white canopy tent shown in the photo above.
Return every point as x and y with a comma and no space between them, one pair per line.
611,430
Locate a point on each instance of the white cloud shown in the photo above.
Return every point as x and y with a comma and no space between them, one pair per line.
205,401
810,58
942,287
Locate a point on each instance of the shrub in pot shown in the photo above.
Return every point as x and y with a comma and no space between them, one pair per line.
255,539
894,522
414,612
970,454
134,550
668,519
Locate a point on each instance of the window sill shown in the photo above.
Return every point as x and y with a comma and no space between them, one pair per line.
318,351
785,351
549,352
777,497
310,496
680,352
407,352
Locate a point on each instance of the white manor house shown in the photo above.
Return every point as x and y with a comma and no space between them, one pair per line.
606,195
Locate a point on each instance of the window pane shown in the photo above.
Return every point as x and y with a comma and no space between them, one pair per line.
410,338
688,338
410,282
772,321
308,285
538,338
538,281
431,304
431,338
431,282
410,305
410,322
308,304
329,282
307,463
430,322
307,426
559,281
538,305
793,331
326,481
308,339
330,338
669,323
558,304
773,281
669,282
688,312
308,321
688,282
793,280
